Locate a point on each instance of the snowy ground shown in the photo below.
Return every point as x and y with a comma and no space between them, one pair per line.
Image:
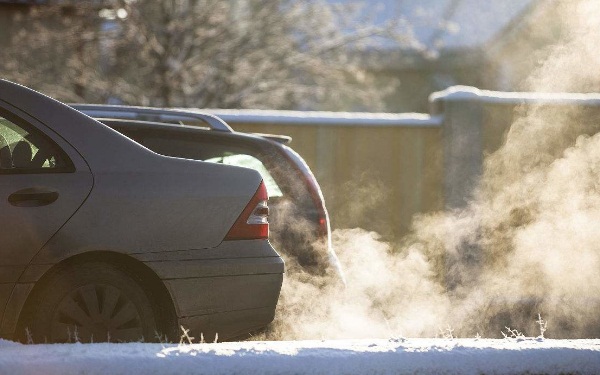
396,356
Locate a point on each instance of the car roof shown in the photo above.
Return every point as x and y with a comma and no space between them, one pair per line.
101,146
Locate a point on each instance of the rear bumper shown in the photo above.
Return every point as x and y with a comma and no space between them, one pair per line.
246,304
229,306
230,290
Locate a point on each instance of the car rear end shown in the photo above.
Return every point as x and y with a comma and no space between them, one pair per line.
201,228
300,227
229,290
306,231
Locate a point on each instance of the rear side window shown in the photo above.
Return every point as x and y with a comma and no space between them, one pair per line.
24,149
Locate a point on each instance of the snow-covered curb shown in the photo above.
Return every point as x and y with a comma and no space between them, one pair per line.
422,356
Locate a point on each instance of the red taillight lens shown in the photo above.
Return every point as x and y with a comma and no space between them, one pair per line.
253,222
323,227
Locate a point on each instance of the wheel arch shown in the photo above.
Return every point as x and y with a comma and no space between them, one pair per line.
155,289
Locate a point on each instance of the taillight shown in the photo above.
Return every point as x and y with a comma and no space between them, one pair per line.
253,223
323,227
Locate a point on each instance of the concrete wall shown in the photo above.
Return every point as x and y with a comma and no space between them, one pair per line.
476,123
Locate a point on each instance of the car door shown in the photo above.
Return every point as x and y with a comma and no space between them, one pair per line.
43,181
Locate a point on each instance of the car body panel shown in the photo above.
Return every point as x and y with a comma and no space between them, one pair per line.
25,230
14,306
191,220
294,213
201,281
205,299
170,214
130,181
103,148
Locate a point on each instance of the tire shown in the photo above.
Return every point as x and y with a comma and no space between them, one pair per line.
90,302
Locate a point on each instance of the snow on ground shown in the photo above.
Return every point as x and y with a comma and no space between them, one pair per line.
395,356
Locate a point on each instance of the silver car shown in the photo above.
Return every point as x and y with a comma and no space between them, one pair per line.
104,240
299,221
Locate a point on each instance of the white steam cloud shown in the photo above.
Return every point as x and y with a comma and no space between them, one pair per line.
528,242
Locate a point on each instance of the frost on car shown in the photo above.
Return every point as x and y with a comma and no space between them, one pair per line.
103,239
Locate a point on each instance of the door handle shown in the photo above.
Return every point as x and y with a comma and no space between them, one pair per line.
33,197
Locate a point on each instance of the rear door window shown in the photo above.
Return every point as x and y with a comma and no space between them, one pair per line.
24,149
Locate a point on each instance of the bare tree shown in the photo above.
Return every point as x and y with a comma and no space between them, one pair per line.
282,54
54,49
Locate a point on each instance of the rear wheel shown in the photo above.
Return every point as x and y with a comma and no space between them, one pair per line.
91,302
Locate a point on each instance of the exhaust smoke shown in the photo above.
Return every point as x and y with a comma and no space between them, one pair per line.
528,242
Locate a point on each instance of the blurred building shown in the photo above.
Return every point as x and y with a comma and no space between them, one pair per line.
517,51
491,45
487,44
